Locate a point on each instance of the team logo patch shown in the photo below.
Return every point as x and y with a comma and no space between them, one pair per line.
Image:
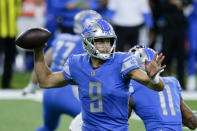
93,74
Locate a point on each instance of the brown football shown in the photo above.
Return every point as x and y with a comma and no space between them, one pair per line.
33,38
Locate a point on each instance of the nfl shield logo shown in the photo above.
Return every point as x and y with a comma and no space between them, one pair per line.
92,73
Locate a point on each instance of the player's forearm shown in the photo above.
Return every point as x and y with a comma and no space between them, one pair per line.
156,86
33,77
191,122
141,77
41,69
188,117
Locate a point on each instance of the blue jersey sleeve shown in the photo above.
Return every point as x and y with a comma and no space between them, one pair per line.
133,86
129,63
176,84
179,88
66,70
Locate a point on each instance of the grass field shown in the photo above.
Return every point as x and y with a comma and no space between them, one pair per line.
26,115
19,80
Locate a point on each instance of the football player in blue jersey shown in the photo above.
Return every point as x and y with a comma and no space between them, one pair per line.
102,76
60,101
160,111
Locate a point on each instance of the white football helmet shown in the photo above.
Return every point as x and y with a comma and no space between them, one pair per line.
141,53
81,19
96,29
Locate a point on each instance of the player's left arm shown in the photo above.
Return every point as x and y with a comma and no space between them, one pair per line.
150,78
188,117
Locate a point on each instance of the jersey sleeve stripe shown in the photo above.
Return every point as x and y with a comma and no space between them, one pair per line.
66,71
129,64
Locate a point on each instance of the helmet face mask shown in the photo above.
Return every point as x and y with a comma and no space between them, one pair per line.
82,18
98,29
103,45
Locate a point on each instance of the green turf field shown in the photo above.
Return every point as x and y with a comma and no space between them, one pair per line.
19,80
25,115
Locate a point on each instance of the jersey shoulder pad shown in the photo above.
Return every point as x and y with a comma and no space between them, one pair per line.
80,55
68,37
123,56
76,58
172,81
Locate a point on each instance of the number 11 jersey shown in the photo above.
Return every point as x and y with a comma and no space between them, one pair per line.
158,110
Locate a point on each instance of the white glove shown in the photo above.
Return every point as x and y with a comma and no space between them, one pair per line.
30,88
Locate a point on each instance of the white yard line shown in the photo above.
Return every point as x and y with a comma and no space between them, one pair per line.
189,95
17,94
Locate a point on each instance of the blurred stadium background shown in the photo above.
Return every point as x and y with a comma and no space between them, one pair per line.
24,113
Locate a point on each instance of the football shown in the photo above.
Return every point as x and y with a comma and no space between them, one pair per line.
33,38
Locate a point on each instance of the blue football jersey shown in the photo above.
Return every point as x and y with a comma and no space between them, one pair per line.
62,47
103,91
160,111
